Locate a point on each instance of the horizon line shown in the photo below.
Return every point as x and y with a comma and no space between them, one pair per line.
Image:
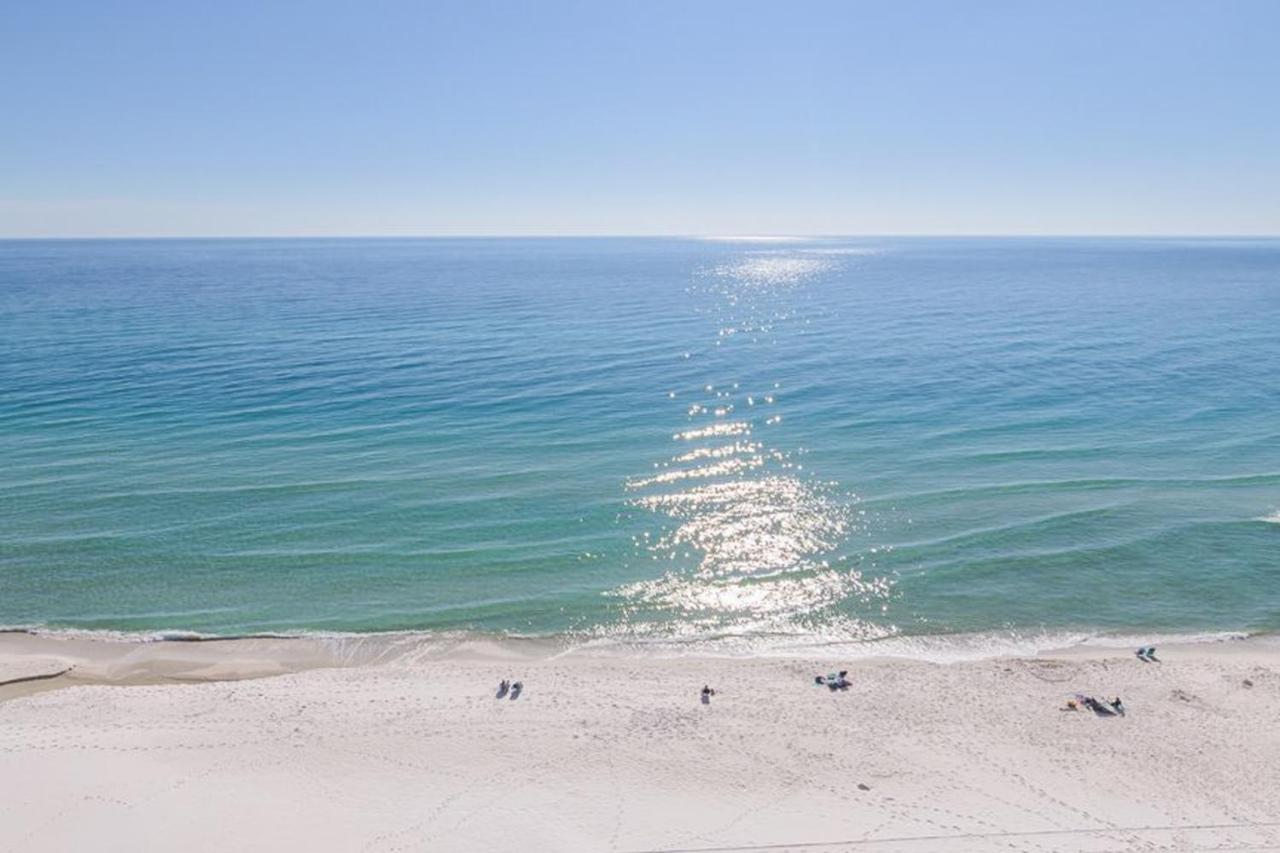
654,236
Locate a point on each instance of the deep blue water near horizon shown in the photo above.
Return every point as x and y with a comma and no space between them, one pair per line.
663,439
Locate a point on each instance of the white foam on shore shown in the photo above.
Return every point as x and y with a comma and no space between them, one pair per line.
932,648
355,648
1129,640
112,635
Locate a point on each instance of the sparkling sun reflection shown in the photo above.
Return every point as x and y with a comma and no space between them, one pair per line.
754,544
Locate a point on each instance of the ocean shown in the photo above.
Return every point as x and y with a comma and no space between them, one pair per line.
740,444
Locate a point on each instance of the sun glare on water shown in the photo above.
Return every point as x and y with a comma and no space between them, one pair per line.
751,540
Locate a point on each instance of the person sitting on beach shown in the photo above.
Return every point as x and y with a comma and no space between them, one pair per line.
1103,709
1117,705
707,693
838,681
835,681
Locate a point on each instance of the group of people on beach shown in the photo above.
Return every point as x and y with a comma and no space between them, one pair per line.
840,681
509,690
834,681
1113,707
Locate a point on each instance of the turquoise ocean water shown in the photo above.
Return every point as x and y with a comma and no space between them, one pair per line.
681,441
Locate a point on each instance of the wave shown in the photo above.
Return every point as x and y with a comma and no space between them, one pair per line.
354,648
161,635
942,648
1040,486
1120,639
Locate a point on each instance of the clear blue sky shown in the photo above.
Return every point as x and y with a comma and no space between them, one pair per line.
228,117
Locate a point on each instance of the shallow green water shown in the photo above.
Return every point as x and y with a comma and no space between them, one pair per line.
641,439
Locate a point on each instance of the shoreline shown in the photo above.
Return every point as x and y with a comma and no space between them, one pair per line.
37,660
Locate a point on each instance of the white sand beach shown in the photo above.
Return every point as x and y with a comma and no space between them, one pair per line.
147,746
